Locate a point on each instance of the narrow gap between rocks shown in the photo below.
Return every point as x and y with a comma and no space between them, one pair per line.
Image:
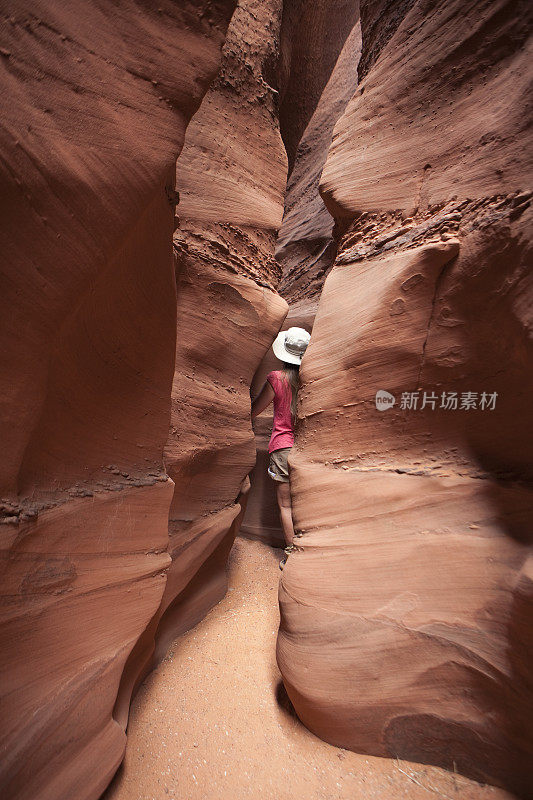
214,722
138,561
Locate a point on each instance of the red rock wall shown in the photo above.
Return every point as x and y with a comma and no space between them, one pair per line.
231,177
305,248
306,245
312,38
405,610
95,105
427,585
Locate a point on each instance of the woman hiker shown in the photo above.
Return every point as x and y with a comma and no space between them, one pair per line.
282,387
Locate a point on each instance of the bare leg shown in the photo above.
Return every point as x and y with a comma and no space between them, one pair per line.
285,511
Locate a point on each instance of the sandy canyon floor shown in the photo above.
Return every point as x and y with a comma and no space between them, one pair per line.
213,721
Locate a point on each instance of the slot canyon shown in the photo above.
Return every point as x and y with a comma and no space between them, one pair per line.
181,181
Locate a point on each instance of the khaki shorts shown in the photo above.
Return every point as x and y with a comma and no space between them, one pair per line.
278,468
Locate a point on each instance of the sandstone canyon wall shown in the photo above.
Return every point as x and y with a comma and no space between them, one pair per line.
100,105
95,103
406,611
315,93
231,176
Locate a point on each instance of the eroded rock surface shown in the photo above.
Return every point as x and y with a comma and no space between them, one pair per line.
305,248
94,108
306,245
404,613
231,177
312,38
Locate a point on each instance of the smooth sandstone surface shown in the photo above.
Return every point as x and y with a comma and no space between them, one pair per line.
218,690
406,608
312,38
95,105
231,178
442,113
305,248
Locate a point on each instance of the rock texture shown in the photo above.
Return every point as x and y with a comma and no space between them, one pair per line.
305,248
312,38
413,564
222,677
231,177
95,105
405,618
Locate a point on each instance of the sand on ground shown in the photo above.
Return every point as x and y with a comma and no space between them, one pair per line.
213,722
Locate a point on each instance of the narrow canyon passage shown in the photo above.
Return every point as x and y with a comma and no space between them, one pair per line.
180,182
212,721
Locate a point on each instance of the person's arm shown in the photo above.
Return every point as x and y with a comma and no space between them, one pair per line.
263,399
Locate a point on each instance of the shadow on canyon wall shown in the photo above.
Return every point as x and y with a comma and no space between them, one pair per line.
401,237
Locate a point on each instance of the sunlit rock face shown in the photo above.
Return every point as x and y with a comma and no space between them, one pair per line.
231,178
405,615
94,108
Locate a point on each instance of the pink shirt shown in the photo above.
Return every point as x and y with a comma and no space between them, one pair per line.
282,430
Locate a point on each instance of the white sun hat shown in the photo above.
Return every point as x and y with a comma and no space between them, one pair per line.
289,346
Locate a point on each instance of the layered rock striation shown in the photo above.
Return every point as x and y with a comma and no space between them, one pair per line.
231,177
314,95
406,608
404,623
306,243
95,105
